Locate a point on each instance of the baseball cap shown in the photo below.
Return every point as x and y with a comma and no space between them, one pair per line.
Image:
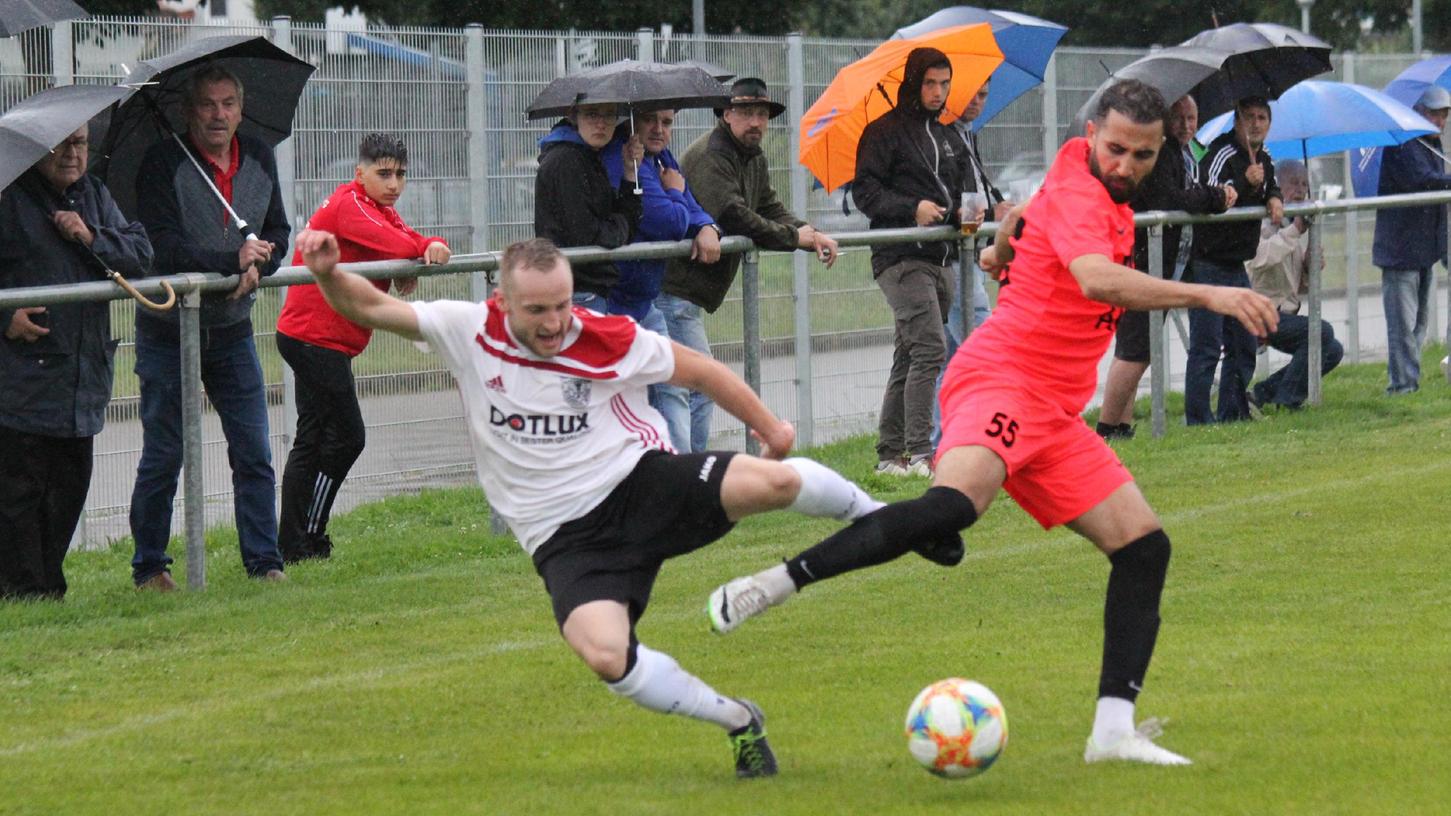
1435,98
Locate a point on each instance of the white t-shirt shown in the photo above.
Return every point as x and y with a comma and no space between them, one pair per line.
552,436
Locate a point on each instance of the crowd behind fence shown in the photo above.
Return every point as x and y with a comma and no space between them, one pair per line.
457,97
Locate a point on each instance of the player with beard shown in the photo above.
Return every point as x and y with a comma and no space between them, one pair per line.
1011,405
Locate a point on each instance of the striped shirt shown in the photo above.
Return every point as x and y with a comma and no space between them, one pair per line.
552,436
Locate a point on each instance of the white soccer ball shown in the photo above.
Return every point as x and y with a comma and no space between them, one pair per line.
956,728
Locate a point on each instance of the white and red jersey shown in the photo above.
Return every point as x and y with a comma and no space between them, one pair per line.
552,436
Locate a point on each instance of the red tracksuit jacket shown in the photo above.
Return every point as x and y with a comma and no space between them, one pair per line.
366,231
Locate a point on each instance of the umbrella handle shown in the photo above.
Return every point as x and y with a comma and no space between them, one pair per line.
638,191
142,299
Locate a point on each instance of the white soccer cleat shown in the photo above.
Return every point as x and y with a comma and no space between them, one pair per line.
1135,746
733,602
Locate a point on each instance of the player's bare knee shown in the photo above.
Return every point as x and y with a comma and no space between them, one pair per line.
780,484
607,661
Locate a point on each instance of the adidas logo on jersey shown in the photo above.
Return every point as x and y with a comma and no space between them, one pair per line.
495,384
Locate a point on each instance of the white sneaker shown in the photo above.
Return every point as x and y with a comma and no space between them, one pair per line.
1135,746
733,602
891,467
920,466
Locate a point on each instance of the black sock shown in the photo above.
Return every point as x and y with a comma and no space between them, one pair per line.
1131,614
884,535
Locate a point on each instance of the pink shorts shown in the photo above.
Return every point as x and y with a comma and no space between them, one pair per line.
1058,468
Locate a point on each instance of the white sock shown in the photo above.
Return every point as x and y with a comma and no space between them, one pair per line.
777,582
658,683
827,494
1115,717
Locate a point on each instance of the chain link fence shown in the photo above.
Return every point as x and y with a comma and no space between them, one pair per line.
457,97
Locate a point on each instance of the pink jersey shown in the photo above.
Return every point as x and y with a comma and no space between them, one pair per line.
1045,334
551,436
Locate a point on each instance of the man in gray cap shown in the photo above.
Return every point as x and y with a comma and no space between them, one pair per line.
727,172
1409,241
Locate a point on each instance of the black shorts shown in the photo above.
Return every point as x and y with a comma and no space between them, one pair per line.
669,505
1131,342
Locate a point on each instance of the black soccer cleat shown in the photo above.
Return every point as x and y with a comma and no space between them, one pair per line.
947,551
754,757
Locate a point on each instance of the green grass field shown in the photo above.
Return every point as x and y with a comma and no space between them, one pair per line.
1304,660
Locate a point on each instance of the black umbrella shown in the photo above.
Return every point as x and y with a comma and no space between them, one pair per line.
1223,65
1267,60
22,15
272,81
717,72
641,86
37,124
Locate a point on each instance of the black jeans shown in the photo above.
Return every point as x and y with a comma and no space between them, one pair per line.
330,438
43,485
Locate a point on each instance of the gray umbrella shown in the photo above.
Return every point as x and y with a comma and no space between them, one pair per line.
272,81
641,86
36,125
22,15
1223,65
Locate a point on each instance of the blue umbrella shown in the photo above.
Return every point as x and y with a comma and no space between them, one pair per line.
1318,117
1027,43
1406,88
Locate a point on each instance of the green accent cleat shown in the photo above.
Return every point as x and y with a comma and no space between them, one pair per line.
754,757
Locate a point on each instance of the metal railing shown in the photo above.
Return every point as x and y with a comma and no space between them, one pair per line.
478,265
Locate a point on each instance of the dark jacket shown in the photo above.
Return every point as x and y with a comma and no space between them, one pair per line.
60,384
575,204
191,231
1168,187
665,215
1225,162
733,184
904,157
1411,237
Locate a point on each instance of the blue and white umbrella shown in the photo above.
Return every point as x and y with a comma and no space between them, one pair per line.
1027,43
1318,117
1406,88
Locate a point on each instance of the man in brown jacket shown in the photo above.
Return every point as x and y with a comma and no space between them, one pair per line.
727,172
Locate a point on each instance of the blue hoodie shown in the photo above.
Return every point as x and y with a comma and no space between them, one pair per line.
668,216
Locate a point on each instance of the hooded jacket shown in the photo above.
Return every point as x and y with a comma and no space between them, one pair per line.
366,231
1225,162
575,204
1411,237
59,385
733,183
665,215
904,157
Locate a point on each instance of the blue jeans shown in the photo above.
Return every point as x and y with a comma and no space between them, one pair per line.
1406,294
671,401
957,333
232,377
686,324
1208,334
1291,385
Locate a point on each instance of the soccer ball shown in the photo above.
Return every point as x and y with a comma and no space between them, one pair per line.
956,728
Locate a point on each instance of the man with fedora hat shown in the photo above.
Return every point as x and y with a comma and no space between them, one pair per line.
728,174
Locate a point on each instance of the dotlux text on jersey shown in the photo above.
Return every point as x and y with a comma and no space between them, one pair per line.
540,429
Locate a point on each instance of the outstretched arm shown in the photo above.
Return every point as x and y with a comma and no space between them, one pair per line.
353,296
697,372
1107,282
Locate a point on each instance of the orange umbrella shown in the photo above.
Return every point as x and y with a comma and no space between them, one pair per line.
861,92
